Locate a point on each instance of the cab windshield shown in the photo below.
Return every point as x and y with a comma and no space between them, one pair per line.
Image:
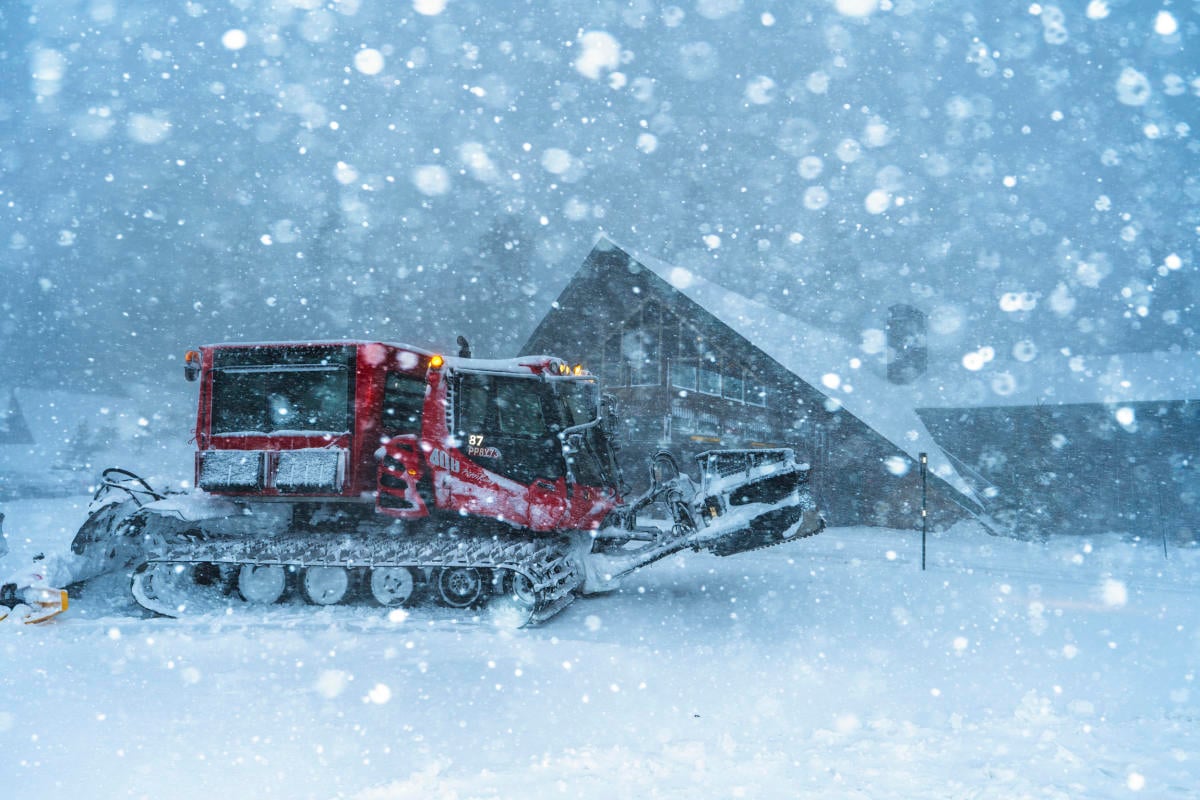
517,425
578,401
588,452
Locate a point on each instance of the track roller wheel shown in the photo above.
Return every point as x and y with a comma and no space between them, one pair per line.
325,586
148,580
157,581
392,586
206,574
520,589
460,587
163,587
513,600
262,584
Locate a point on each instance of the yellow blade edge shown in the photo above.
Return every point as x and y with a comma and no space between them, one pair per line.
49,610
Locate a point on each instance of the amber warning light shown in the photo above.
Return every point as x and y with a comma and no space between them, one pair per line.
436,362
191,364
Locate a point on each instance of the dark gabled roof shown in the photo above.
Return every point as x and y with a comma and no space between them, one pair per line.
593,292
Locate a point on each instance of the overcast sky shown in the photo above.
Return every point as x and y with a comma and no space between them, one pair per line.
173,173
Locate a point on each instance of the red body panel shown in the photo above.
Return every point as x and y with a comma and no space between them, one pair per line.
407,475
372,361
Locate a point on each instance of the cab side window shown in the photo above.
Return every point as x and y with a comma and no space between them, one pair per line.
403,400
506,418
519,408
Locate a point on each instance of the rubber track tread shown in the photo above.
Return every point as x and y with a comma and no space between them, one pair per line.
548,562
748,539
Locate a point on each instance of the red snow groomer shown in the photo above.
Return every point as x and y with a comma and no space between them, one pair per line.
340,472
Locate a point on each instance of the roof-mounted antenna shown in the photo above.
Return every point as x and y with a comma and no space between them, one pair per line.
464,347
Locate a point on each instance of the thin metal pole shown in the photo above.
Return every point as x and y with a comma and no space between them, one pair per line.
924,510
1162,525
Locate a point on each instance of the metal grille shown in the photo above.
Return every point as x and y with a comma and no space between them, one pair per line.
231,469
309,470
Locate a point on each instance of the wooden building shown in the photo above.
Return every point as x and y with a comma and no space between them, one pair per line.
696,367
1070,444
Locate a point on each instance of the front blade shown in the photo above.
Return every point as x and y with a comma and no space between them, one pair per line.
32,604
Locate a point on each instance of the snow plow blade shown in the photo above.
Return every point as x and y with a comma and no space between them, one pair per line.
31,605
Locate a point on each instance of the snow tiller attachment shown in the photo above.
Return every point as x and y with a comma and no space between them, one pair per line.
744,500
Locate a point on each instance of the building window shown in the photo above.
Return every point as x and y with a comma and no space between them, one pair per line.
634,355
756,392
687,342
613,373
403,401
710,378
733,387
645,358
640,348
683,373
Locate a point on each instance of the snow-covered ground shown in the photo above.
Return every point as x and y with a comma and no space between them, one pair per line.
831,667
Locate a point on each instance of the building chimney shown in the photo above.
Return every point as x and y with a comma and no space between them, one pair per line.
907,353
